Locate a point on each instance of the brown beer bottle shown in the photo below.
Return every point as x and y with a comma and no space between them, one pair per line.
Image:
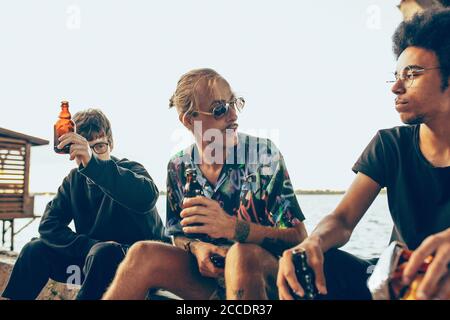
192,189
62,126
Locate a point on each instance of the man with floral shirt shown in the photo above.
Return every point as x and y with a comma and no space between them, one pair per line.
243,189
248,215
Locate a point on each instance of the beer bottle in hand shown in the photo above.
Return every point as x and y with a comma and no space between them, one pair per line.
193,189
62,126
305,276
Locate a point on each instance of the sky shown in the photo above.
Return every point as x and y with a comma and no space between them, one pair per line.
313,74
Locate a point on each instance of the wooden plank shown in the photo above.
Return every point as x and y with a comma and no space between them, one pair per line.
11,171
9,210
6,173
13,152
13,162
15,177
7,148
11,177
15,215
10,186
13,184
15,146
5,196
11,146
8,153
8,206
10,195
11,190
11,203
10,199
12,167
4,201
14,157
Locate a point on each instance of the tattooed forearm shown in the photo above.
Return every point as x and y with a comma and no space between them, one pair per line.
242,230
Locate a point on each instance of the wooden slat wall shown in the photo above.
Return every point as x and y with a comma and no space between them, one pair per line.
14,164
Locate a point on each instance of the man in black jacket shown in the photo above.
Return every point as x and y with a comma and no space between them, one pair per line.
112,204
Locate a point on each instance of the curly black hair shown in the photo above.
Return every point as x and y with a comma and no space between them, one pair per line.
429,30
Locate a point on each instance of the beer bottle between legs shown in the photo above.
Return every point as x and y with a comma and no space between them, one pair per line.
305,276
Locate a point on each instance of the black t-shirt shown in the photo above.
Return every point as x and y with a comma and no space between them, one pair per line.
418,193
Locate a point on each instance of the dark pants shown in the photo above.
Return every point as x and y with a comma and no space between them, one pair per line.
37,263
346,276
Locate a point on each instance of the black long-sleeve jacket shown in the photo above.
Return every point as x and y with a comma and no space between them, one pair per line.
111,200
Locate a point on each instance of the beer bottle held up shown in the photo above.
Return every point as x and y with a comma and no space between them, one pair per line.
62,126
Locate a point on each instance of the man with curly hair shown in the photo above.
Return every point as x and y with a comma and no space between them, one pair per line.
412,162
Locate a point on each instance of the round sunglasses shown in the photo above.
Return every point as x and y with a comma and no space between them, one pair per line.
221,108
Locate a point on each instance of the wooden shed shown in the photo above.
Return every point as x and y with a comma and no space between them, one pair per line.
15,200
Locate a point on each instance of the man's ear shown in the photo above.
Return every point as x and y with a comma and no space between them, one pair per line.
186,120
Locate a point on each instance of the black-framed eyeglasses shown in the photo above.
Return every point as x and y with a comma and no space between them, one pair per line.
100,147
408,74
221,108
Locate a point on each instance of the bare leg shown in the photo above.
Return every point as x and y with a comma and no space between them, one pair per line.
150,264
250,273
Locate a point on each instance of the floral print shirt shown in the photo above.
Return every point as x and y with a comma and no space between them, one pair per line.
253,185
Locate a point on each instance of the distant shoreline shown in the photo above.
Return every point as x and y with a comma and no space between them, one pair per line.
310,192
297,192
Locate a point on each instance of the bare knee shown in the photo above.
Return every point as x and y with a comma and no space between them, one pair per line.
244,258
144,254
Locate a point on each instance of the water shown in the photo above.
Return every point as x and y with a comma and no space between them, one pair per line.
369,239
